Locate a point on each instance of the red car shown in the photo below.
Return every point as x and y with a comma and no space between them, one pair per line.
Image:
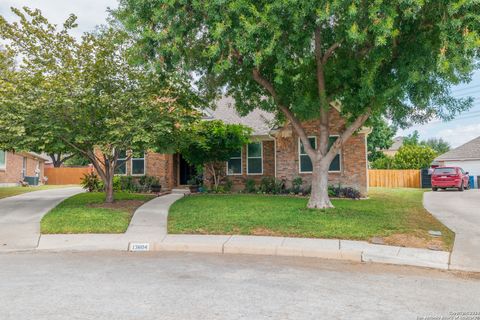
450,177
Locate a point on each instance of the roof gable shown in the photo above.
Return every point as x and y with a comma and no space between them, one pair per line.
467,151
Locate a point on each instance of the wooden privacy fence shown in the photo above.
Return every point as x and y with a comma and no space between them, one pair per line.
66,175
394,178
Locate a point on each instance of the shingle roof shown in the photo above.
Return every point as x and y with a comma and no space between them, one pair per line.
397,144
260,121
469,150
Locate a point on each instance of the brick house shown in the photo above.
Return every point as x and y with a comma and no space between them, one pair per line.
274,152
15,166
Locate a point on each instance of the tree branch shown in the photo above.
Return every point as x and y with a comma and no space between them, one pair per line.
329,52
359,121
322,148
288,113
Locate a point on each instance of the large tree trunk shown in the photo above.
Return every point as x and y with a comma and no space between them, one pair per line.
319,194
106,172
108,181
109,198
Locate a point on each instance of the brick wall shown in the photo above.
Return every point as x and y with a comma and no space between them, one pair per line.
162,167
239,180
13,171
353,159
157,165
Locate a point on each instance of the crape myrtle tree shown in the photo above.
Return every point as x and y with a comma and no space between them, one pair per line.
209,143
297,57
86,95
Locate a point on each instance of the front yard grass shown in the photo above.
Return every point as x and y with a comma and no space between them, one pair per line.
13,191
87,213
395,215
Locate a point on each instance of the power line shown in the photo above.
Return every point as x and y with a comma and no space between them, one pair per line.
469,94
467,88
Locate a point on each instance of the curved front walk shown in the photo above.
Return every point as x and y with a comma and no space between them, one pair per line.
20,216
460,211
149,226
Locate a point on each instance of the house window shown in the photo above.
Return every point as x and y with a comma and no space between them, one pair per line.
234,164
305,161
254,158
121,163
3,159
335,164
138,164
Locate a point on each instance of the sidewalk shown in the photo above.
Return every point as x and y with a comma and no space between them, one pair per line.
149,226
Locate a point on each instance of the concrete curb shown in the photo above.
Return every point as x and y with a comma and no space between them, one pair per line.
149,225
358,251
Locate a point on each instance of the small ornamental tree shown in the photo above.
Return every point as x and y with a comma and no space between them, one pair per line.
407,157
86,96
211,142
414,157
298,57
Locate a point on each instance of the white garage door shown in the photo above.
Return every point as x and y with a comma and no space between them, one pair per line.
473,167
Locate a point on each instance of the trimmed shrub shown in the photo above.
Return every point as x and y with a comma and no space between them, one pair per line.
297,183
250,186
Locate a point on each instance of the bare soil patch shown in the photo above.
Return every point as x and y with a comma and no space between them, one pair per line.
413,241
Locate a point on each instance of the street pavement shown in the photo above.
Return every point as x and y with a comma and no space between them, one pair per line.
460,211
160,285
20,216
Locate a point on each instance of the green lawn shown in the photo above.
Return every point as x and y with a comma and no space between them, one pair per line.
87,213
13,191
396,215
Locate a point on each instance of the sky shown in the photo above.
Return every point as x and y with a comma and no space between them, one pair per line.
91,13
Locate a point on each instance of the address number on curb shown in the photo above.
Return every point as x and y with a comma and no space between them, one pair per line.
135,247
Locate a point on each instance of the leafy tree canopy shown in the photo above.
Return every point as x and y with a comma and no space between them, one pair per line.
211,142
380,138
407,157
85,95
298,57
396,57
438,144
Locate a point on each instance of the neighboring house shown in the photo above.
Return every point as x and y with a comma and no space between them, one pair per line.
467,156
274,152
397,144
15,166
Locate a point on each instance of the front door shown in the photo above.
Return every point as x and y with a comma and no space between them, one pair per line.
187,171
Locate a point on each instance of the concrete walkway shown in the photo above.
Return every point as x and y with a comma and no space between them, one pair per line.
20,216
460,211
149,226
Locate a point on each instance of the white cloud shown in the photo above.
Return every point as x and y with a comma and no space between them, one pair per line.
460,134
90,13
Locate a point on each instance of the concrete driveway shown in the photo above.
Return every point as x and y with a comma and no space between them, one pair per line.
460,211
20,216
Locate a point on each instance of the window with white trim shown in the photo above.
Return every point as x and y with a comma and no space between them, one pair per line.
3,159
138,164
234,164
121,163
305,162
255,158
